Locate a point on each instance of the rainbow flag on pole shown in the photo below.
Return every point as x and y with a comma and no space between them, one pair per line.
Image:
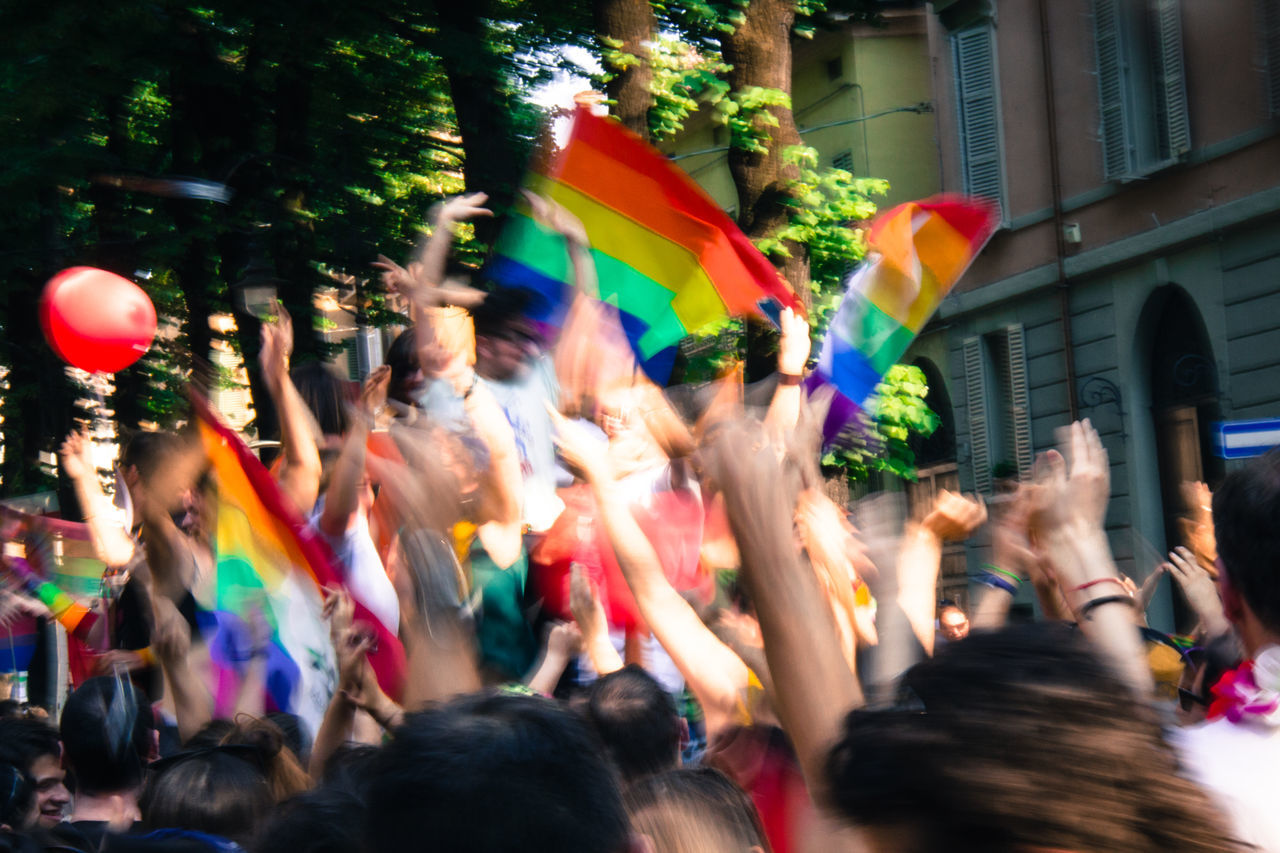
920,251
271,568
666,256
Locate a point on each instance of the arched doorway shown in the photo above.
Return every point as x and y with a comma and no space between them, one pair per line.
1182,378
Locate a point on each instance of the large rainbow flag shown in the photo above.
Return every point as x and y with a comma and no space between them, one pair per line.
666,256
271,568
921,249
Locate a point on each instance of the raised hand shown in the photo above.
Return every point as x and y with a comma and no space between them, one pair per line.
954,517
395,277
373,393
585,456
1089,486
794,346
554,216
461,208
1199,588
76,454
277,345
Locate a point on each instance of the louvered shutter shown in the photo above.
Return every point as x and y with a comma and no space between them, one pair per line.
975,384
350,345
1269,31
978,103
843,160
1020,400
1113,113
1171,83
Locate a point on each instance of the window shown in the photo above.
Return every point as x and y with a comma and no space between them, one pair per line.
1269,31
843,160
999,411
835,69
978,114
1142,93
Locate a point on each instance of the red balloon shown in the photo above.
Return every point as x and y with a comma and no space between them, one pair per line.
96,320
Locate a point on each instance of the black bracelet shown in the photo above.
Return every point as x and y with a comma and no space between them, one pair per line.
1089,605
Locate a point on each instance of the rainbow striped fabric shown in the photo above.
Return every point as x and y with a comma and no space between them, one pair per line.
921,250
271,569
666,256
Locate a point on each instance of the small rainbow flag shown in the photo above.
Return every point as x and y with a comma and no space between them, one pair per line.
272,567
921,250
666,256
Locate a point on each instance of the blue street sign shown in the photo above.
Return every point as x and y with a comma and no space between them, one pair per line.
1242,439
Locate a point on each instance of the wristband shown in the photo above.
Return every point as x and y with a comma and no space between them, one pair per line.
997,582
1082,587
1089,606
1014,579
146,655
786,379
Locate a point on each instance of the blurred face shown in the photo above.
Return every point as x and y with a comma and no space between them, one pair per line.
52,796
954,625
505,356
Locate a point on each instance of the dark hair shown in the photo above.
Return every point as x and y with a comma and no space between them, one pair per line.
210,734
326,820
501,311
402,358
149,451
17,796
1246,523
325,394
219,790
694,810
350,768
1023,734
636,721
106,730
23,740
293,732
492,772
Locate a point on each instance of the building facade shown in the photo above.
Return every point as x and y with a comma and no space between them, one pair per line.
1134,149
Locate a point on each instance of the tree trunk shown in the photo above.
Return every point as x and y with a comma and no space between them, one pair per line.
493,160
759,50
632,23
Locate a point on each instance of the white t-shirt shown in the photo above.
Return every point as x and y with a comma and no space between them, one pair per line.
524,401
1238,764
365,576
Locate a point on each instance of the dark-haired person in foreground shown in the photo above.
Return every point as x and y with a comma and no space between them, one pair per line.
1237,752
31,745
489,773
108,737
636,720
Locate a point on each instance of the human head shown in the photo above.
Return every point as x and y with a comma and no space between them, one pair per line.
326,820
952,623
17,800
325,394
505,339
32,746
1246,522
108,736
636,721
219,790
407,379
692,810
1008,740
492,772
153,465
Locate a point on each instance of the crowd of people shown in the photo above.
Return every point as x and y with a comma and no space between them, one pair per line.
634,619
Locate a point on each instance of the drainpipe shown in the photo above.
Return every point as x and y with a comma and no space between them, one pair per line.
1060,238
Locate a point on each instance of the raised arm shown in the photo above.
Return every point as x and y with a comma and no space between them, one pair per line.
110,540
713,672
588,612
952,518
300,471
793,353
814,686
1068,516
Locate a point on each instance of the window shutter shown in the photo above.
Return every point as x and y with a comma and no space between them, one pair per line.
1171,82
350,347
978,100
1117,141
975,384
1269,30
1020,416
843,160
